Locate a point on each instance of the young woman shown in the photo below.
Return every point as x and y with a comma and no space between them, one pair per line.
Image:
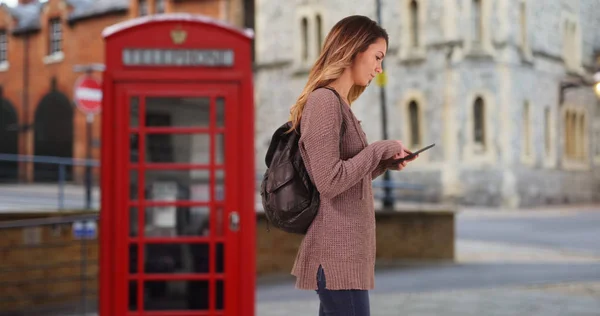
337,256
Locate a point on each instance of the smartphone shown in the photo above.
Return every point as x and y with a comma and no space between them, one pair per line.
397,161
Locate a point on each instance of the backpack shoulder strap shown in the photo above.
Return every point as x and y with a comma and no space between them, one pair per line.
343,128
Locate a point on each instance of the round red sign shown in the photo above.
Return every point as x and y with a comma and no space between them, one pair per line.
88,95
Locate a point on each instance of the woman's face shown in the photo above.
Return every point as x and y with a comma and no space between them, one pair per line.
368,63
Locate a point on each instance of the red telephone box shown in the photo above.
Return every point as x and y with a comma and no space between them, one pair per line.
178,218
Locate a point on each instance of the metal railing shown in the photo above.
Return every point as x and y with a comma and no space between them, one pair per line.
47,172
49,266
67,195
404,191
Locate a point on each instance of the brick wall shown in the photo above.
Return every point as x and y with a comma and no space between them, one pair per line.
401,236
41,267
82,44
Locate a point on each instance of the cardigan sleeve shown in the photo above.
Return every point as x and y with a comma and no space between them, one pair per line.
319,142
380,169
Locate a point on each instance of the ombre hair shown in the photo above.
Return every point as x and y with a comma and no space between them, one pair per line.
349,37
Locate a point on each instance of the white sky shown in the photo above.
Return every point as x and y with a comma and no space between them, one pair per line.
13,3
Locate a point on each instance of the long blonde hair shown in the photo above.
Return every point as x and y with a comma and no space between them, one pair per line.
348,37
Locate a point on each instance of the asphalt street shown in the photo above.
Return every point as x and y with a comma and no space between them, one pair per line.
573,232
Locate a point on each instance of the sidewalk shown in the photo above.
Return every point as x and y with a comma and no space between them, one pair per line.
474,251
581,299
549,299
543,211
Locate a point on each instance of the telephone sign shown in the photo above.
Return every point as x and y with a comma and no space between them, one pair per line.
177,57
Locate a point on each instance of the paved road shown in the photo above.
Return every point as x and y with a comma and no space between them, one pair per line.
499,259
489,302
575,231
526,250
534,264
451,277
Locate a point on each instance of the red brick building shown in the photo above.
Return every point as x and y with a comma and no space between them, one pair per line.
40,45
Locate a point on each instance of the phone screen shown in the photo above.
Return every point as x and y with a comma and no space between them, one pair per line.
414,153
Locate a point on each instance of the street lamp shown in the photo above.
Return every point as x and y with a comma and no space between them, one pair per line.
388,199
597,81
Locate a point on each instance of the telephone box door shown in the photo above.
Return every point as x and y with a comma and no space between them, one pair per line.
178,207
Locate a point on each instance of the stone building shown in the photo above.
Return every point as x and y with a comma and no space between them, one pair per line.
480,78
40,43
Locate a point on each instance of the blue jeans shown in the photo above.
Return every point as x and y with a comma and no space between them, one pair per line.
341,302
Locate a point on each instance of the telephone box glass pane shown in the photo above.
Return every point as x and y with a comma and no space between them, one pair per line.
219,185
133,185
219,149
220,260
220,298
133,222
133,297
176,258
177,112
220,112
178,148
220,221
134,108
177,185
172,221
180,295
134,149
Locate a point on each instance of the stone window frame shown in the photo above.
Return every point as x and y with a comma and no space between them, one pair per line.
575,138
486,48
309,45
143,8
4,43
596,130
160,6
527,134
524,41
55,36
550,136
408,51
472,152
53,55
570,30
418,97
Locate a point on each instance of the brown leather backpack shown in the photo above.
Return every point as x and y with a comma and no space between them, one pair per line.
289,198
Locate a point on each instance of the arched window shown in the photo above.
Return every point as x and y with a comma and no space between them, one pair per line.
574,135
319,30
9,139
523,21
581,138
3,45
304,30
547,131
477,22
160,6
479,121
526,129
414,23
142,7
415,134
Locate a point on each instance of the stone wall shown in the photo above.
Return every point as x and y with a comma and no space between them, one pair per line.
444,75
41,267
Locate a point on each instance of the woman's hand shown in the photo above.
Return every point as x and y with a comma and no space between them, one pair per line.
405,152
